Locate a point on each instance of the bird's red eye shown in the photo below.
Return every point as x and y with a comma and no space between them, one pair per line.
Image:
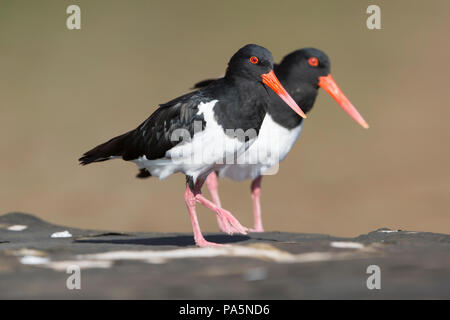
313,62
254,60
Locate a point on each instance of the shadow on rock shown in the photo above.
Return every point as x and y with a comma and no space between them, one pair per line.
181,241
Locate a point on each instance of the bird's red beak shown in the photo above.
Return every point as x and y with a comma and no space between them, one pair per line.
270,80
329,85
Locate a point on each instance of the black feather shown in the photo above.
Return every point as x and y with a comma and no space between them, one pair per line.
143,173
153,137
103,152
203,83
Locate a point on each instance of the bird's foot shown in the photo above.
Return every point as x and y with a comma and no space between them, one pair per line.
202,243
229,223
224,226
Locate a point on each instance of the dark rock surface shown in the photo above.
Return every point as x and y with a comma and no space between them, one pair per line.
271,265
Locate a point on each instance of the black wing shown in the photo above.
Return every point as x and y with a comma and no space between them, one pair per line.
203,83
153,137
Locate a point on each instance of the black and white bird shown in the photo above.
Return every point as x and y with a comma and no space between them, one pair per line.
195,134
302,73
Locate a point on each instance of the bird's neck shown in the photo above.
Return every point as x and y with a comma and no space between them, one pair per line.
303,94
246,105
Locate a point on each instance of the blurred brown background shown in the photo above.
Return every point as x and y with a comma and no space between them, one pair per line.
63,92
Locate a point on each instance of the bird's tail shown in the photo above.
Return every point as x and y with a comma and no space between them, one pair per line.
106,151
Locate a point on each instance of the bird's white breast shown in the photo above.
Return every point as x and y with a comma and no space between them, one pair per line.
272,145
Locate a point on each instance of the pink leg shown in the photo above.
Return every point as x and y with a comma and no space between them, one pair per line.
190,200
213,187
191,197
256,195
232,225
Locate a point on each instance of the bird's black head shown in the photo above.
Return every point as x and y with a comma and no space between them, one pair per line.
304,67
250,62
304,71
253,64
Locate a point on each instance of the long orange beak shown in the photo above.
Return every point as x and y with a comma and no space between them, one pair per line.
329,85
270,80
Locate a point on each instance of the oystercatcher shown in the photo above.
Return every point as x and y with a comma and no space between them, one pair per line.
196,133
302,73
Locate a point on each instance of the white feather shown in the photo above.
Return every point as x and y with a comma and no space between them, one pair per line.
272,145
